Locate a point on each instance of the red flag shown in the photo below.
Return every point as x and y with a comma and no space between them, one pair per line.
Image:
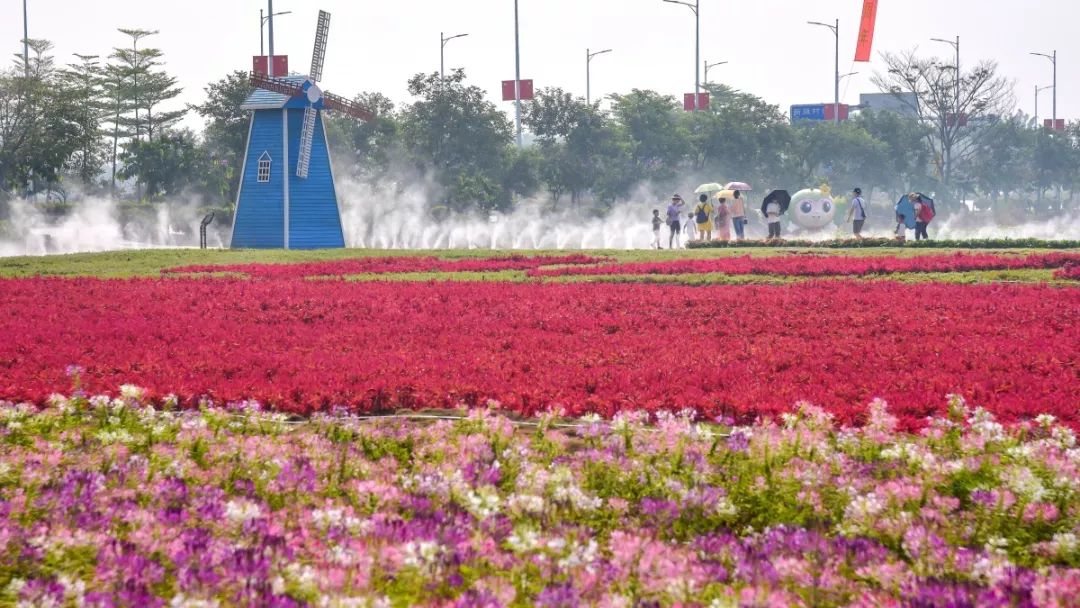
866,30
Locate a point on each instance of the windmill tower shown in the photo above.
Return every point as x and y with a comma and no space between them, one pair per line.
287,197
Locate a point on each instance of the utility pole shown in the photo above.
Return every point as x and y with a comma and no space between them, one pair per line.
517,75
836,74
696,8
956,102
588,73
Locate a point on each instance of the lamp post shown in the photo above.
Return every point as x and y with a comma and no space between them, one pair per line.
517,75
588,73
1053,60
442,52
1037,90
26,41
956,45
262,24
694,6
711,65
836,84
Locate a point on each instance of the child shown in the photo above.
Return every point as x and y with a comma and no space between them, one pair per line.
690,227
656,224
901,229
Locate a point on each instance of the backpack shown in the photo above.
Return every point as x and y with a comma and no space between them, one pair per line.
926,213
701,217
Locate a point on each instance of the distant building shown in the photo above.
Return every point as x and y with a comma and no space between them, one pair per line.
904,104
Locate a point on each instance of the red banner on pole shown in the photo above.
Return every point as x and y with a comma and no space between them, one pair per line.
508,93
866,30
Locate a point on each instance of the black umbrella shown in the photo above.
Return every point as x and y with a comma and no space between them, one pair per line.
777,196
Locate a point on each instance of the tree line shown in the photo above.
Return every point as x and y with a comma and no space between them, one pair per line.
110,126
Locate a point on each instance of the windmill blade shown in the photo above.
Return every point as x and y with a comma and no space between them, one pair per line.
318,56
277,85
337,103
307,137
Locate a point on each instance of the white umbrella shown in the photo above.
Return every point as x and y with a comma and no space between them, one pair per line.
708,188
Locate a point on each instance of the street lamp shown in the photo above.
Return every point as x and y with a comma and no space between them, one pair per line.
442,52
25,42
695,6
588,73
1038,89
843,76
262,24
711,65
956,45
1053,60
517,75
836,89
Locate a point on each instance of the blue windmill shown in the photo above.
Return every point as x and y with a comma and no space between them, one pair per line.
287,197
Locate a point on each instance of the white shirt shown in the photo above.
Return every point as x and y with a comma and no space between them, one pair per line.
860,211
773,211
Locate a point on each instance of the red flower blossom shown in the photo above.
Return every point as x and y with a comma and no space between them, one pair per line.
739,351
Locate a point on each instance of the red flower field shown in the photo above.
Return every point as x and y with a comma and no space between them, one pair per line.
823,265
740,351
387,265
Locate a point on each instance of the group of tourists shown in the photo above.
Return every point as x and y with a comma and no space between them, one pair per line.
707,220
702,221
924,212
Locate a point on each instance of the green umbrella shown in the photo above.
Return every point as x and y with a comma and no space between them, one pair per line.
708,188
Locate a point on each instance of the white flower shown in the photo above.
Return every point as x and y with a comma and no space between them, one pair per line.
1064,543
523,540
240,510
422,554
1045,420
1025,483
131,392
1064,436
526,504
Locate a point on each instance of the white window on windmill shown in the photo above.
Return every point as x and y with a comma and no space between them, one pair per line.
264,167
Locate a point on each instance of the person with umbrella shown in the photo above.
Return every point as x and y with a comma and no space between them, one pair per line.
703,217
674,213
924,212
774,205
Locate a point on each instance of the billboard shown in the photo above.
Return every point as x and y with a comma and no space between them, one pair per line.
817,112
1059,125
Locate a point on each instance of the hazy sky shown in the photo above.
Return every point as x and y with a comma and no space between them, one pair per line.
377,46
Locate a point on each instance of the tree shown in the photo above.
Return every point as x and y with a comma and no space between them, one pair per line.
907,154
459,136
83,84
38,124
740,135
370,148
658,138
141,90
167,165
929,89
226,130
1002,161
